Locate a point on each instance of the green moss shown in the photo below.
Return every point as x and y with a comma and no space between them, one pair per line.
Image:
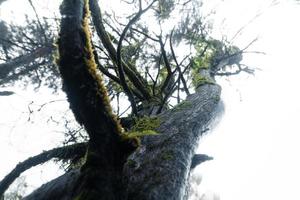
199,80
93,69
143,126
202,62
133,134
146,123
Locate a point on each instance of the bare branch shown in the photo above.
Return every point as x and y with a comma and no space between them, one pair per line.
145,34
178,66
119,59
39,21
66,152
6,93
239,70
167,65
134,77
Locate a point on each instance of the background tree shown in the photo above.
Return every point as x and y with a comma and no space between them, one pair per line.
146,155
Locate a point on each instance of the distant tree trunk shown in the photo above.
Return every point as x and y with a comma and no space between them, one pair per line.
159,168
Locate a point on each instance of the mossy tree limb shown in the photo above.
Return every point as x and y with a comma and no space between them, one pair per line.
90,104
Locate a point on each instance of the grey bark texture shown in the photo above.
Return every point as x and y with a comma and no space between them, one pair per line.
159,169
60,188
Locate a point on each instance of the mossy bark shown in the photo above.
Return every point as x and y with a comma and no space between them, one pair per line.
159,168
107,151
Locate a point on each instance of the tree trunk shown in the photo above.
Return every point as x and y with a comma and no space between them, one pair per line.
159,168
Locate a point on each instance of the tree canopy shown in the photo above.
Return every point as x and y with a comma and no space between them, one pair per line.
159,56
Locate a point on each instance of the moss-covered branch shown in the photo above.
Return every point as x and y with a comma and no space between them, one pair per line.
83,84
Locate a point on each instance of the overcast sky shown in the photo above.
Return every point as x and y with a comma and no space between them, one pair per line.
255,145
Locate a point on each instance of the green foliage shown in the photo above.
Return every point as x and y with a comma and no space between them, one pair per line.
165,7
201,62
199,80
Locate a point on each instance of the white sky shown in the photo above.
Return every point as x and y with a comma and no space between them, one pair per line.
255,146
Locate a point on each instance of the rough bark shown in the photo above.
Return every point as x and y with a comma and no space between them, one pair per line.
60,188
159,168
100,177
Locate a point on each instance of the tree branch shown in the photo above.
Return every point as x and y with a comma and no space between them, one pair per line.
168,67
11,65
66,152
39,21
119,59
134,77
178,66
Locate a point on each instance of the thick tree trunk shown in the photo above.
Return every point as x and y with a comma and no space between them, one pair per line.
159,168
100,176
